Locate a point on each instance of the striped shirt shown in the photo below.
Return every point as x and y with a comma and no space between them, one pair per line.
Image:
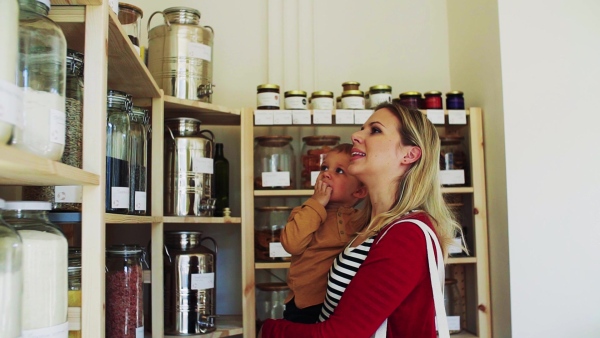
341,272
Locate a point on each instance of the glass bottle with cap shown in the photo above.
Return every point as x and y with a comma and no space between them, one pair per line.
9,54
138,161
11,279
117,152
45,253
41,74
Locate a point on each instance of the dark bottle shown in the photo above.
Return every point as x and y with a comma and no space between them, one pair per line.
221,175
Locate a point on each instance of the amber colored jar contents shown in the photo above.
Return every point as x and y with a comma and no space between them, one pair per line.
267,96
350,85
433,100
268,223
312,150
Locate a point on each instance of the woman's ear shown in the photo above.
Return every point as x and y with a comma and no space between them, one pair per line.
412,156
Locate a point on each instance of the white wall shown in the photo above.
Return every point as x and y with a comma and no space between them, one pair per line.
551,78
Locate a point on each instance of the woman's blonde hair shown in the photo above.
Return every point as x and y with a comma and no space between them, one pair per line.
419,188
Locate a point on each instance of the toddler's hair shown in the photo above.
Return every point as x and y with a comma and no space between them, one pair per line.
342,148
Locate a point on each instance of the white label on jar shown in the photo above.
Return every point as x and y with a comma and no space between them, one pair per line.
203,281
453,323
139,332
263,117
276,179
57,126
140,200
202,165
68,194
282,117
11,103
322,117
380,98
295,102
313,177
455,247
452,177
277,250
436,116
353,102
457,116
119,197
300,117
322,103
199,50
343,116
361,116
267,99
57,331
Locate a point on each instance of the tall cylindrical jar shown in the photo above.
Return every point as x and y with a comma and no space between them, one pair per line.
138,161
274,163
45,254
130,17
117,151
124,292
42,76
9,54
67,198
11,279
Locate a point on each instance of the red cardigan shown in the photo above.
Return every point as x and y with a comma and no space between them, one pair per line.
393,282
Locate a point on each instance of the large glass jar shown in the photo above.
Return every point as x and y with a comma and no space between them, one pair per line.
130,18
313,149
270,301
138,161
268,223
124,292
117,147
11,279
453,157
274,163
45,254
42,76
453,304
9,54
74,283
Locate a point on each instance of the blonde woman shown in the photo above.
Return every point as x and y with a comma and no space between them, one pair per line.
396,156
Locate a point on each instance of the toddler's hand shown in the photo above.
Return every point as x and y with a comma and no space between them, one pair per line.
322,191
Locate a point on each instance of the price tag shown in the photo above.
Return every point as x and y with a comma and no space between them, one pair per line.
263,117
282,117
452,177
202,165
119,198
455,247
277,250
453,323
68,194
276,179
361,116
199,51
57,126
56,331
322,116
313,177
344,116
436,116
140,200
301,117
457,116
203,281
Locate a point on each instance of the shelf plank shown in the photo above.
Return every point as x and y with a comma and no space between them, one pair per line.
457,190
130,219
464,334
206,112
20,168
310,192
227,326
462,260
272,265
75,2
202,220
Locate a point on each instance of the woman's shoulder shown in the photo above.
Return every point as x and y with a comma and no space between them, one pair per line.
398,227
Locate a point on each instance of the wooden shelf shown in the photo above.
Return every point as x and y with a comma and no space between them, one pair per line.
457,190
227,326
130,219
206,112
272,265
462,260
464,334
309,192
21,168
202,220
75,2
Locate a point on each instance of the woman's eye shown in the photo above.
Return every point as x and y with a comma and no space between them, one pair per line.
375,130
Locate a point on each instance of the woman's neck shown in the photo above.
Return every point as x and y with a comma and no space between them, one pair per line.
382,199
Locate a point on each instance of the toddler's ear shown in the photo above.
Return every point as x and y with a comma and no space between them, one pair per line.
361,192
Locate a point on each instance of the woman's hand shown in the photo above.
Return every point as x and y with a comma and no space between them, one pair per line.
322,191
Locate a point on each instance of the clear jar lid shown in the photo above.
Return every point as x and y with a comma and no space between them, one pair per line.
74,63
118,100
139,114
273,141
27,205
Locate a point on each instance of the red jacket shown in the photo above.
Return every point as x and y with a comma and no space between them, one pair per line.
393,282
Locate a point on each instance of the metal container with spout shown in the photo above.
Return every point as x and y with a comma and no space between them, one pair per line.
180,54
189,270
188,168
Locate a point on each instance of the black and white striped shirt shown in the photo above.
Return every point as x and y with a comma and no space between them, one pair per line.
341,273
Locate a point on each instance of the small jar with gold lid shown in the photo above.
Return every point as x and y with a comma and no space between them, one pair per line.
411,99
350,85
295,99
353,99
433,100
322,100
267,96
380,94
455,100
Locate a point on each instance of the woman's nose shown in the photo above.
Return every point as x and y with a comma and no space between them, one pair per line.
356,137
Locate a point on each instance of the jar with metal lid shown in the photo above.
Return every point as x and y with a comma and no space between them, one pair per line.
11,279
130,18
138,160
270,301
268,223
433,100
267,96
322,100
453,157
411,99
124,291
453,304
350,85
45,254
380,94
313,150
353,99
455,100
295,99
117,151
42,75
274,162
9,54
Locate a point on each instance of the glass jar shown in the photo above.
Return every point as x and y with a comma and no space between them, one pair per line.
433,100
124,292
313,149
322,100
268,223
379,94
270,301
9,54
138,160
45,253
274,163
74,283
130,18
411,99
453,303
295,99
453,156
350,85
455,100
117,152
353,99
11,279
42,76
267,96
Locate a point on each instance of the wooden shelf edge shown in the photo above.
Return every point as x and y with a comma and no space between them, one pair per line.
457,190
130,219
272,265
175,102
283,193
67,14
227,326
464,334
462,260
202,220
75,2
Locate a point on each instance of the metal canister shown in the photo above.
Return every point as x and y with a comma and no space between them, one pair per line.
180,54
189,270
188,168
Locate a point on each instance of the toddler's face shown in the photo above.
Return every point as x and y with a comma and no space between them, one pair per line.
334,172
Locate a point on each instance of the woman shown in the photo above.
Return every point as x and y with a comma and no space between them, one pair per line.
396,156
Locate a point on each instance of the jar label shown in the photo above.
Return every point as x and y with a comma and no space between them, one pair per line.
139,332
140,201
322,117
453,323
11,103
295,102
300,117
322,103
277,250
199,51
203,281
282,117
276,179
119,197
57,331
202,165
353,102
267,99
68,194
263,117
455,247
344,116
457,116
436,116
380,98
452,177
313,177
